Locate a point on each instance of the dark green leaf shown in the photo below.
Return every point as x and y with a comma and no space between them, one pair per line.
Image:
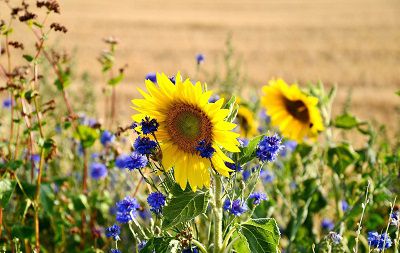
340,157
262,235
157,244
28,57
248,153
80,203
183,207
22,232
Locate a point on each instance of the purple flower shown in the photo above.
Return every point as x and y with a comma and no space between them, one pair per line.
144,146
106,137
200,58
267,176
113,231
205,149
98,171
214,98
234,167
156,201
126,209
288,147
238,208
227,204
132,161
258,196
149,126
345,205
246,174
327,224
152,77
379,241
268,148
7,103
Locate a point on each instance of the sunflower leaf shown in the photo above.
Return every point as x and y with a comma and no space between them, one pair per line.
259,235
183,207
157,244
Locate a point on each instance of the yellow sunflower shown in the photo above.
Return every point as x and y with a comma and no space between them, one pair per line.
293,112
247,122
186,120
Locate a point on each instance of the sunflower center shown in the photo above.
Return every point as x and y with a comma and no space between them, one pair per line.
297,109
187,125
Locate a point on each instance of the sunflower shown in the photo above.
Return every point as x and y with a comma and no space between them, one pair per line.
187,123
247,122
293,112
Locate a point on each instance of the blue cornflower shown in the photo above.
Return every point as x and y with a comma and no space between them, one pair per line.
156,201
144,146
141,245
200,58
98,171
327,224
149,126
379,241
126,209
35,158
258,196
152,77
106,137
205,149
227,204
394,218
115,251
190,250
234,167
268,148
288,147
246,174
335,237
243,142
132,161
172,79
345,205
238,208
214,98
113,231
267,176
7,103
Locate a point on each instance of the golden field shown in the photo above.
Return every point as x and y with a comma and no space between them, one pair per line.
354,44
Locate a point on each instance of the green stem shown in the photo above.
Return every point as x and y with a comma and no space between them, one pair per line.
199,246
226,240
217,210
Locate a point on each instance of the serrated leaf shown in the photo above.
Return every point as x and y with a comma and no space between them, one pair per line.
157,244
262,235
346,121
7,187
240,243
183,207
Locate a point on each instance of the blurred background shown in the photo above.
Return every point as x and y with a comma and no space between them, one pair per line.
352,44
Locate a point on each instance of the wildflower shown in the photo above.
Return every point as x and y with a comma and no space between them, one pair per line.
345,205
379,241
233,166
238,208
149,126
7,103
141,245
156,201
186,119
258,196
132,161
152,77
98,171
267,176
115,251
268,148
144,146
106,137
295,113
214,98
200,59
246,174
394,218
113,231
190,250
243,142
327,224
205,149
126,209
288,147
335,237
227,204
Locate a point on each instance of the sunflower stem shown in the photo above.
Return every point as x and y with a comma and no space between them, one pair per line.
217,210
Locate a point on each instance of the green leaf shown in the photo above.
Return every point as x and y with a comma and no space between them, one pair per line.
240,243
86,135
398,93
28,57
116,80
340,157
157,244
12,165
183,207
63,81
248,153
80,203
262,235
22,232
346,121
7,187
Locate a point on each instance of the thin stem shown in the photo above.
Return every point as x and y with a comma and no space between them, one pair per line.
364,205
227,237
199,246
217,211
387,228
1,220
